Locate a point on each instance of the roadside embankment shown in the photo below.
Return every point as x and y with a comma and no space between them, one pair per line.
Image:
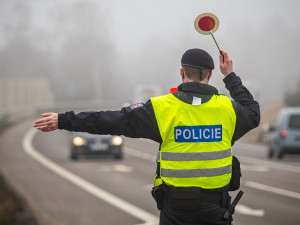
13,209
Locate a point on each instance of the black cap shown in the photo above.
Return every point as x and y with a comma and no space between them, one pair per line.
197,58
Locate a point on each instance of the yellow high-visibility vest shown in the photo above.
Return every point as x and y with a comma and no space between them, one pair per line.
196,141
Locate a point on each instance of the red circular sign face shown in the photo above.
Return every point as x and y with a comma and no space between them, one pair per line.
206,23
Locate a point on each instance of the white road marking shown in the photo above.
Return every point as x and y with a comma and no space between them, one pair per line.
272,189
273,165
118,168
105,168
139,154
255,168
122,168
145,216
245,210
127,207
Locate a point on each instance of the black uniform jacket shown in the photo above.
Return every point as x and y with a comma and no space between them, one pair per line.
138,121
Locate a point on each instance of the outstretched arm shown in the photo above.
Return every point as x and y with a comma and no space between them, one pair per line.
135,122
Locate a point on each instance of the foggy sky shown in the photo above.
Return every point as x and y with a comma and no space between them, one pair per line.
114,45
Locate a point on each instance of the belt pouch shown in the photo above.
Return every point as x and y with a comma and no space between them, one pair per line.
157,193
182,198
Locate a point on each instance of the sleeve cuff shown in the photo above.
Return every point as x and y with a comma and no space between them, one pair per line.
229,77
61,121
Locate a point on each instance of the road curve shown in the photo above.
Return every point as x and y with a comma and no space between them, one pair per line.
105,191
92,189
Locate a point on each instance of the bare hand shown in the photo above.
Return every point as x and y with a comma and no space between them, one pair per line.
226,67
49,123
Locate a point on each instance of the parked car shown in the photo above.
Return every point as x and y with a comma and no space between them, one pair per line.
284,137
85,144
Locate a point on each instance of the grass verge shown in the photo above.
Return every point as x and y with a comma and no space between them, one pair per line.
13,210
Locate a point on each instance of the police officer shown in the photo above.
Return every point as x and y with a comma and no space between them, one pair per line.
196,128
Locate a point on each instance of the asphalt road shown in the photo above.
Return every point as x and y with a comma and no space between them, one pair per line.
105,191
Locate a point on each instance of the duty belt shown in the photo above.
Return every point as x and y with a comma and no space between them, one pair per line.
203,195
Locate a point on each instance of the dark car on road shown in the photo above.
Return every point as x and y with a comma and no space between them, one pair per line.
284,136
85,144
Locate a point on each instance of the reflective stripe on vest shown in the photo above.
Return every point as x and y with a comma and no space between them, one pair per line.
195,156
196,172
196,147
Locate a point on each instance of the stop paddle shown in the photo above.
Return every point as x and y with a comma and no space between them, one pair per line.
207,24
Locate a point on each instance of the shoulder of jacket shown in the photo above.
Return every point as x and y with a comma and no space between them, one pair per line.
161,97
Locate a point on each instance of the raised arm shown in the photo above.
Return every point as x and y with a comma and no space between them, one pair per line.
246,108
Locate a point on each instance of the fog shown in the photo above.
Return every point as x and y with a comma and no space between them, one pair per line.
99,50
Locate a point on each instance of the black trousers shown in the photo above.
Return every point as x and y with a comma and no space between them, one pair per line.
192,212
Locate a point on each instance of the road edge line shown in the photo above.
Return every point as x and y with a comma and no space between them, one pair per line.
273,190
117,202
274,165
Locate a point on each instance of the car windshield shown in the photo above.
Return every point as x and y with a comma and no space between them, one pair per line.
294,122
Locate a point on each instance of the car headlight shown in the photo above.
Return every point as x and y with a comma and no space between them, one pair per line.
116,140
78,141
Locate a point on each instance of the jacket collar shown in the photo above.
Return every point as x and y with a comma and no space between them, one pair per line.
199,88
